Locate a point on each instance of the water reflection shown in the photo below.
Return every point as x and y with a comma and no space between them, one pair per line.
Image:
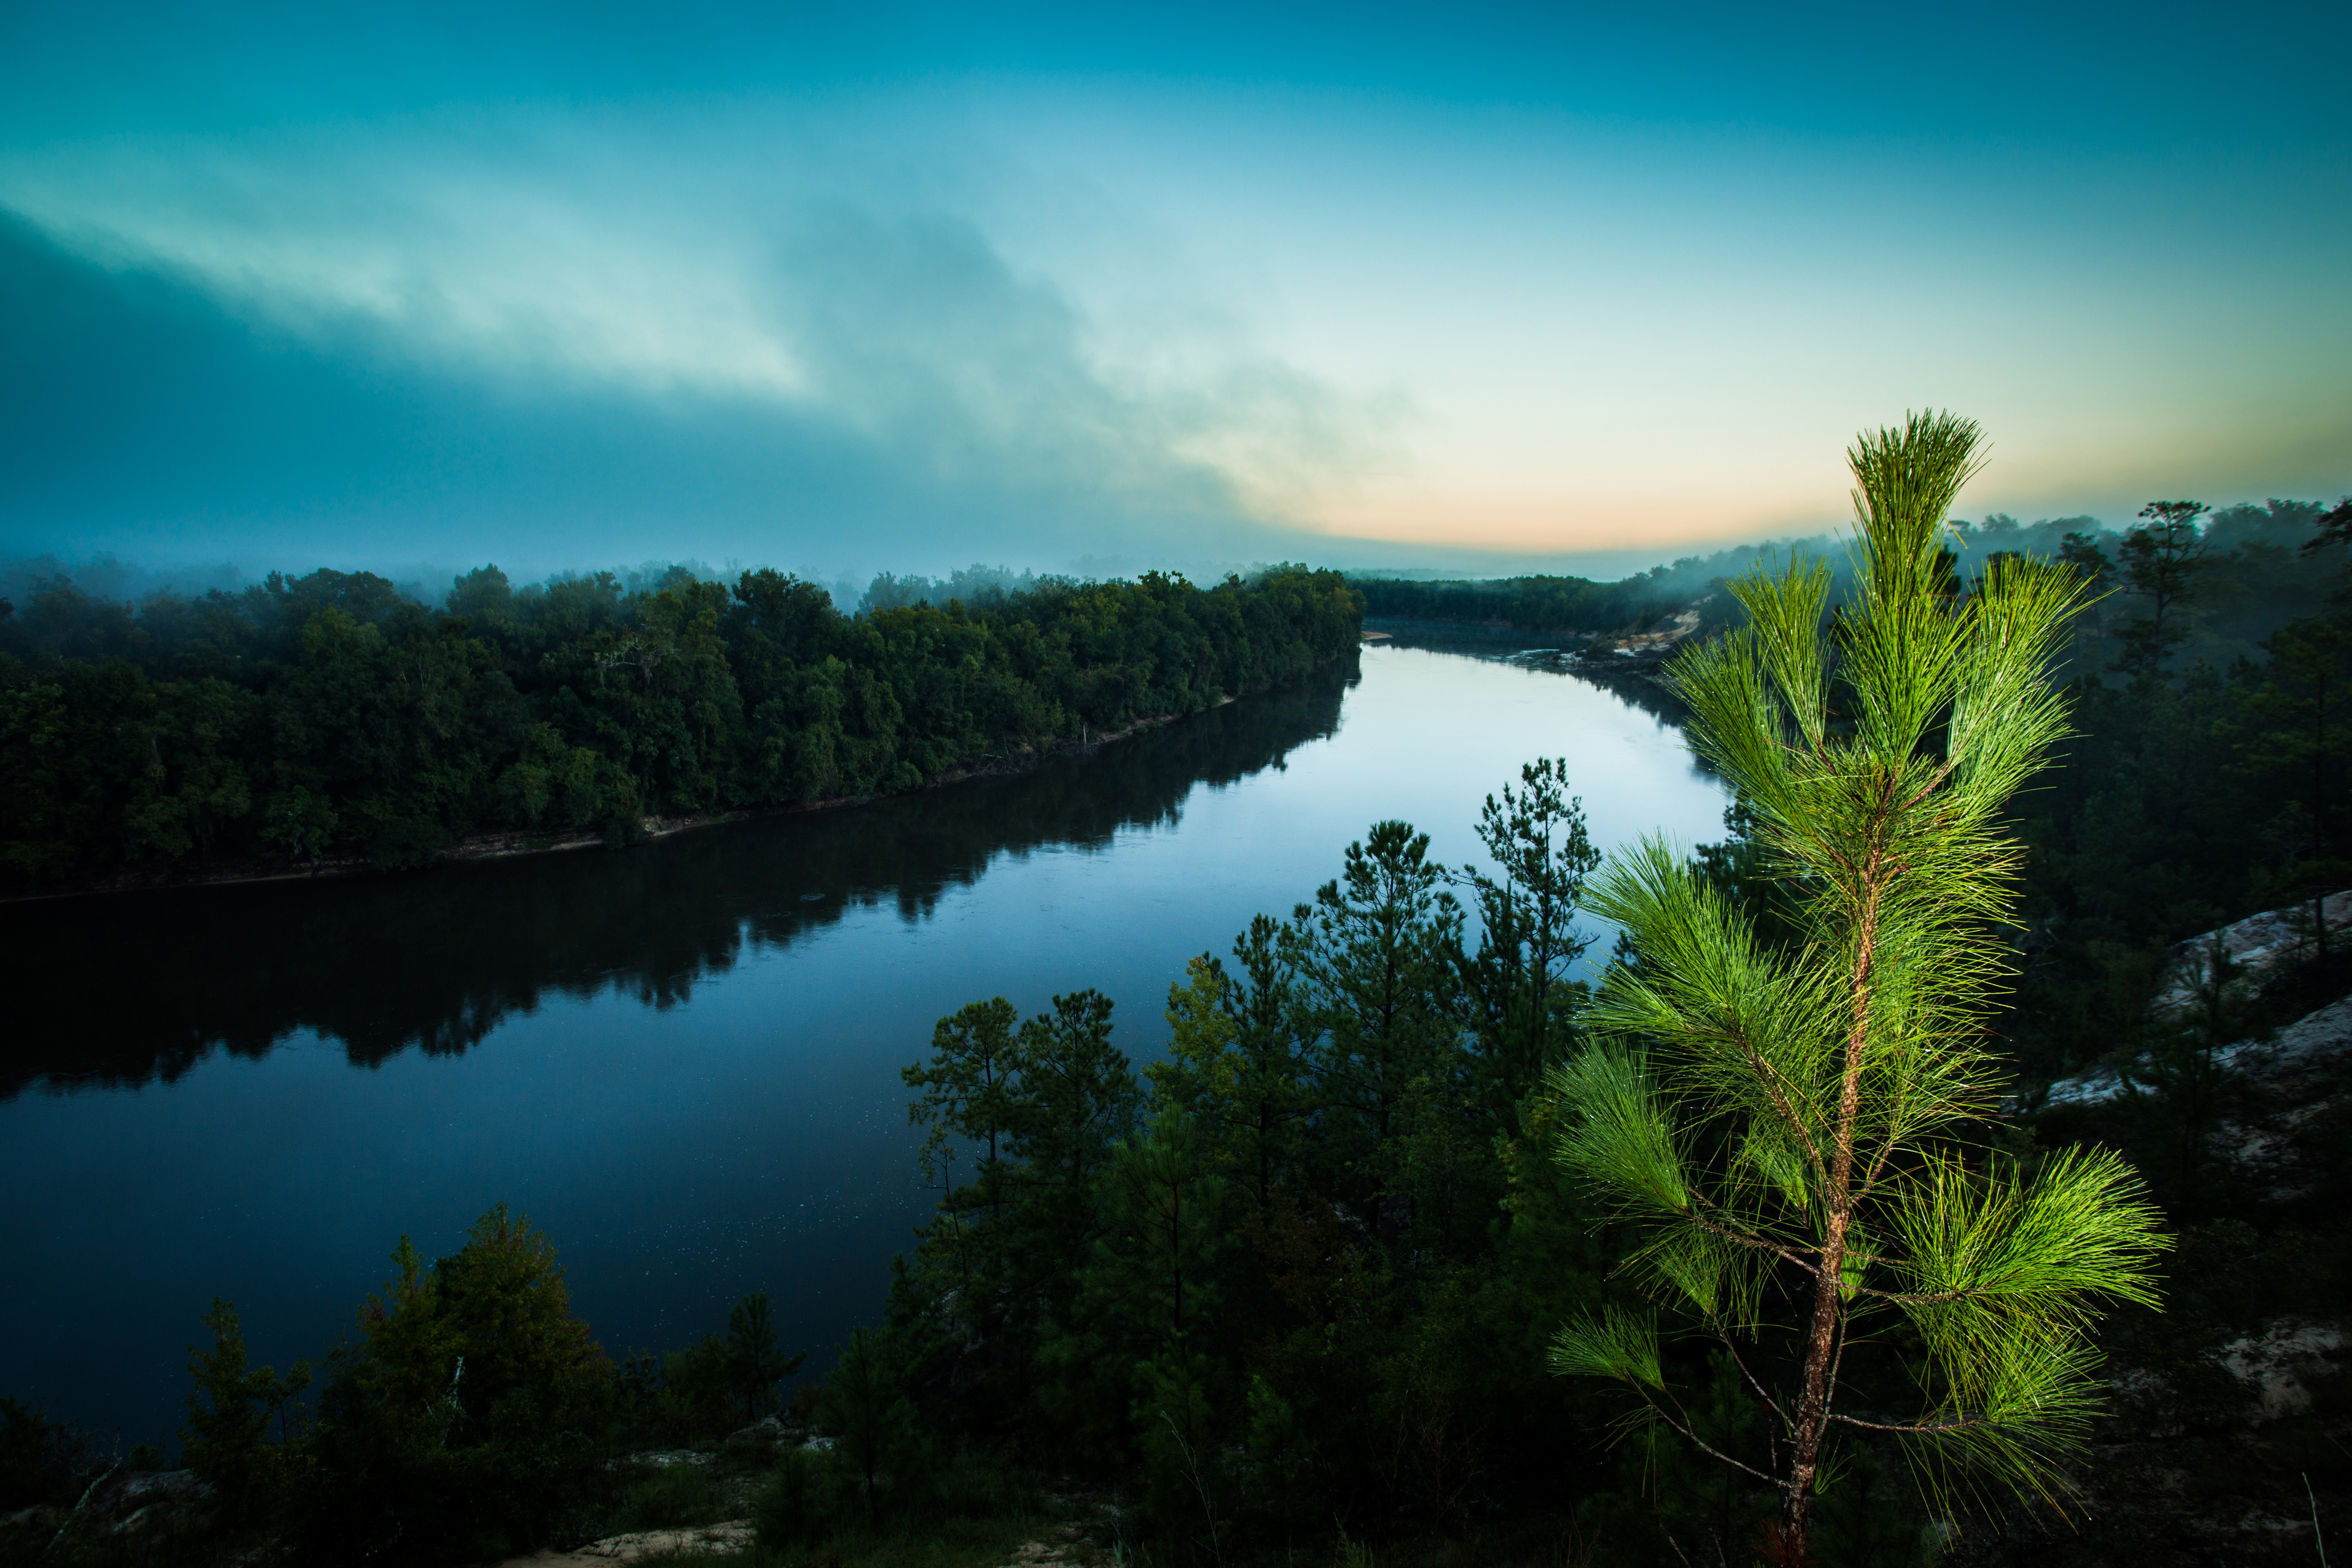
133,988
1637,688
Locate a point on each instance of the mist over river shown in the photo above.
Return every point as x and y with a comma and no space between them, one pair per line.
681,1060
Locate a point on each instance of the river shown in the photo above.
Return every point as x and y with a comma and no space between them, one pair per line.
682,1060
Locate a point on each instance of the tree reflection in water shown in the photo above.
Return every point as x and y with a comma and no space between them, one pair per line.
120,990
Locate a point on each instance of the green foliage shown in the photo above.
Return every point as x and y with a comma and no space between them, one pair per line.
2158,563
1523,1002
1541,604
485,1340
1235,1061
1375,953
672,1495
462,1422
801,1501
1618,1344
968,1098
754,1356
1784,1126
327,717
1304,1271
39,1459
1082,1097
699,1390
242,1422
868,1414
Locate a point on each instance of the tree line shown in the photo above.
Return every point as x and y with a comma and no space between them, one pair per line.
328,716
1537,604
2267,585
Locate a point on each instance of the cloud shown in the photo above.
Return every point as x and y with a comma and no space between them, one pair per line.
729,335
904,325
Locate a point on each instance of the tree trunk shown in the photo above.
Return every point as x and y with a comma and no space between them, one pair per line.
1813,1407
1821,1341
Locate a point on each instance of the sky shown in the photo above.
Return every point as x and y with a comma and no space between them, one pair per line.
909,287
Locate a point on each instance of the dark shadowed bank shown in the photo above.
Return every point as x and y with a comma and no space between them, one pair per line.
329,720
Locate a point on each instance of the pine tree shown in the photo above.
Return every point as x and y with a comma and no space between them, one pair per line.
752,1354
1517,982
1234,1058
866,1412
1373,960
231,1408
970,1099
2159,561
1797,1137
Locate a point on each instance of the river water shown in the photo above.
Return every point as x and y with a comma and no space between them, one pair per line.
680,1060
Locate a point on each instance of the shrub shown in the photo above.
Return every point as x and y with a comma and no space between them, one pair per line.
802,1502
673,1495
231,1410
462,1423
39,1459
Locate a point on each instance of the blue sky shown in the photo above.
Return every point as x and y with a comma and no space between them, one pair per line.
906,287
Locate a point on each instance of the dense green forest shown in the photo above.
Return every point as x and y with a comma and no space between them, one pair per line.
1290,1292
332,717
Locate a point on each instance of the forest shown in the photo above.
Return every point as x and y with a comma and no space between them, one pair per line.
1341,1277
331,718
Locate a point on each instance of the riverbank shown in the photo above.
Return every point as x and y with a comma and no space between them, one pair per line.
479,847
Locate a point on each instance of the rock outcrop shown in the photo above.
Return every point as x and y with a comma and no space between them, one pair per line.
2255,953
2258,950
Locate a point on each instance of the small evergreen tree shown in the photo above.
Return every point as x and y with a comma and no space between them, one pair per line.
2159,561
1235,1059
1374,968
867,1413
1517,982
1082,1099
231,1409
753,1355
1788,1134
460,1425
970,1097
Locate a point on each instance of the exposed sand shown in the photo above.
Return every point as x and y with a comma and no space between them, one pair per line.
733,1536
